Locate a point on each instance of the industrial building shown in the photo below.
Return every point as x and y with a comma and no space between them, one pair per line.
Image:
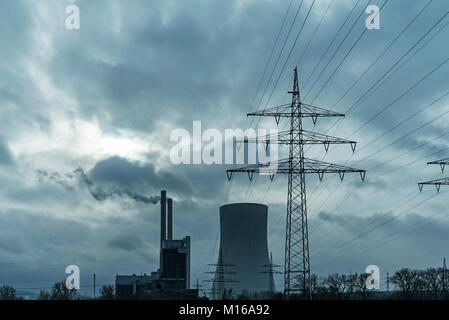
243,254
172,279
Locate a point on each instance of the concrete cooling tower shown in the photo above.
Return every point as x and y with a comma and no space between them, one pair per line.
243,256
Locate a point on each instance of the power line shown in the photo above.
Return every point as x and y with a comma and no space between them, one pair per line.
399,184
382,53
393,236
308,45
378,85
401,96
413,131
280,53
277,61
379,175
271,54
331,43
345,57
336,50
289,54
394,65
312,37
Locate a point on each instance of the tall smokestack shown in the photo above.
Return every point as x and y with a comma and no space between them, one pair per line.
163,215
170,220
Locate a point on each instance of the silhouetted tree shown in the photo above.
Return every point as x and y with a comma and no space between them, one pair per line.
432,281
8,293
43,295
107,292
60,292
317,285
359,282
337,285
408,281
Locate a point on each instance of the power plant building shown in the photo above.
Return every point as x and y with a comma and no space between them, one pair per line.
243,253
172,279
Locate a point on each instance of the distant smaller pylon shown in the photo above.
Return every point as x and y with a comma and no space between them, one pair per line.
219,279
271,271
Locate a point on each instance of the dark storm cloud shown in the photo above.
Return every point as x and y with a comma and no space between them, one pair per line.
375,242
204,59
53,243
126,242
122,172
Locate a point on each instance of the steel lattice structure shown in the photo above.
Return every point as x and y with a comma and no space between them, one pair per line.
296,166
219,280
269,269
439,182
308,137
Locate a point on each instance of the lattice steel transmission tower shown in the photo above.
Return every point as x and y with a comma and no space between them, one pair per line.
219,280
296,166
270,270
440,182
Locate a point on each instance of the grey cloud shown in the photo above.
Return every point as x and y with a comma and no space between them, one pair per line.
121,171
126,242
6,157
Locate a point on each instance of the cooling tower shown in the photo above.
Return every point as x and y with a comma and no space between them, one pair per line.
243,250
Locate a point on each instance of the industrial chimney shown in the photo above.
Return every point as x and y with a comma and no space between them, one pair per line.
243,244
170,220
163,215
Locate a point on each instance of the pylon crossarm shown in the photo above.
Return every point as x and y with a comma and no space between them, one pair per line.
442,163
284,111
307,137
221,272
223,280
221,264
310,166
270,272
437,183
270,265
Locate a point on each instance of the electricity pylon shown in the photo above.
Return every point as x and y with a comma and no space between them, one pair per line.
269,269
219,280
296,166
440,182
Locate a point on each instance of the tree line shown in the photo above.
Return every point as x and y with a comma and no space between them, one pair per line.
410,284
59,291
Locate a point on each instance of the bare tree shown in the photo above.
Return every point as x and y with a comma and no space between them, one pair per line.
337,284
107,292
408,281
351,279
360,284
61,292
317,285
43,295
8,293
432,281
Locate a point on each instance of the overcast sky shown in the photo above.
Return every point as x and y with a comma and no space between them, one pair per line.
105,99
